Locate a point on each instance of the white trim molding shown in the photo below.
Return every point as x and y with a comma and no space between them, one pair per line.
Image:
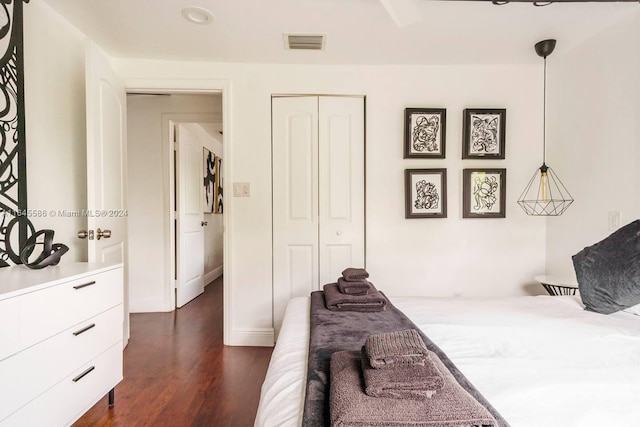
259,337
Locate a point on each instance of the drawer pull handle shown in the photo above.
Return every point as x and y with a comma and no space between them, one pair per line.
79,377
84,285
85,329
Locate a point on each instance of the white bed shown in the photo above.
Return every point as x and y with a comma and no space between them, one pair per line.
541,361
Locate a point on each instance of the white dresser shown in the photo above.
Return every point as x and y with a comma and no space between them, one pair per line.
61,334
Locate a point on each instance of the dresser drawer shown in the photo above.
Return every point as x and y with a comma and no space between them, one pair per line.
9,334
51,310
38,368
69,399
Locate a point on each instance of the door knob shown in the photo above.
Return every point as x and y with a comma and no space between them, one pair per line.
83,234
338,233
103,233
204,223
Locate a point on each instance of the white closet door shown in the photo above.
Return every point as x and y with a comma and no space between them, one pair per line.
295,200
341,189
318,193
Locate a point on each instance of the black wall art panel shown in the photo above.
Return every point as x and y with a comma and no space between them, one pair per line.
18,236
15,226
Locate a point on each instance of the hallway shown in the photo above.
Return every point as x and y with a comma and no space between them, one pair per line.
177,372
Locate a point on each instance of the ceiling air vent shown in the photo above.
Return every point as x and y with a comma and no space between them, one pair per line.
304,41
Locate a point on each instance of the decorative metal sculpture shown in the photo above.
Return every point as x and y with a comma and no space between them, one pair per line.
17,234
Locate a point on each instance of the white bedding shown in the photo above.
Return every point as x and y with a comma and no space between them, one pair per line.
541,361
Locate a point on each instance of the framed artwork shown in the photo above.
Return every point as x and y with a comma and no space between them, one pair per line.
483,133
425,193
209,169
484,193
425,132
218,185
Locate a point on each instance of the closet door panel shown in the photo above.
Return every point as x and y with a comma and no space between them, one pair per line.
341,190
295,199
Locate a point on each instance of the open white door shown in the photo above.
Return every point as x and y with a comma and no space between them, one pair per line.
190,216
106,165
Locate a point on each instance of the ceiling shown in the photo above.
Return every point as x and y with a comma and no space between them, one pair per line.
358,31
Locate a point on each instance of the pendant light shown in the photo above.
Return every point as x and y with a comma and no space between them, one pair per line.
545,194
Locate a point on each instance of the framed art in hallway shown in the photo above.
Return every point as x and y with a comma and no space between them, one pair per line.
210,181
425,133
425,193
218,184
484,193
483,133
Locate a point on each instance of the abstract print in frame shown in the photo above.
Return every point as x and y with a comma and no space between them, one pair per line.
425,193
218,184
425,133
484,193
483,133
15,226
209,169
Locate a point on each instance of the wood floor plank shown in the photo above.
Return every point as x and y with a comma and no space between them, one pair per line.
177,372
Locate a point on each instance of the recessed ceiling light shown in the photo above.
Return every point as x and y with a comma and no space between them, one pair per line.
197,15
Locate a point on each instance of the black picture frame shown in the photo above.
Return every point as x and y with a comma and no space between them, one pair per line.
425,131
484,133
484,193
425,193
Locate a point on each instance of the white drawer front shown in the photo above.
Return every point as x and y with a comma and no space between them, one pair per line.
9,335
35,370
68,400
49,311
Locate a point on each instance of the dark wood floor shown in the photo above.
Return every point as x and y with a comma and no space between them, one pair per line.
177,372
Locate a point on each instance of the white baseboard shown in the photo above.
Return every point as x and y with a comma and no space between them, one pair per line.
212,275
259,337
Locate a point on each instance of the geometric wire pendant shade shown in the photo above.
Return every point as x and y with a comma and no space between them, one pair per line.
545,194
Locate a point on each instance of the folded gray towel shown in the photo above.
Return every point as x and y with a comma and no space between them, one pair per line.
350,274
451,406
354,287
337,301
389,349
418,381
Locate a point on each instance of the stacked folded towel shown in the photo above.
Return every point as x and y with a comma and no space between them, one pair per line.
354,282
399,365
451,406
337,301
352,292
388,349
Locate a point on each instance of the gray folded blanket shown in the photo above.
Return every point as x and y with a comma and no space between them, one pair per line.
337,301
451,406
332,331
417,381
354,287
389,349
350,274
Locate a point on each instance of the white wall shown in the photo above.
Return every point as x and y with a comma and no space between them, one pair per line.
594,138
593,103
405,257
148,197
55,124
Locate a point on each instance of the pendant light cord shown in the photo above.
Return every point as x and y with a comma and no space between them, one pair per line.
544,114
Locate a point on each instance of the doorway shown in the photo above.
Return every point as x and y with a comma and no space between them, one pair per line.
152,180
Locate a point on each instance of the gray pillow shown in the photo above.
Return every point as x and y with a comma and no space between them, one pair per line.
608,272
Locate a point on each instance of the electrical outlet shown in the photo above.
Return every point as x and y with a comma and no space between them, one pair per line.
614,220
241,189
